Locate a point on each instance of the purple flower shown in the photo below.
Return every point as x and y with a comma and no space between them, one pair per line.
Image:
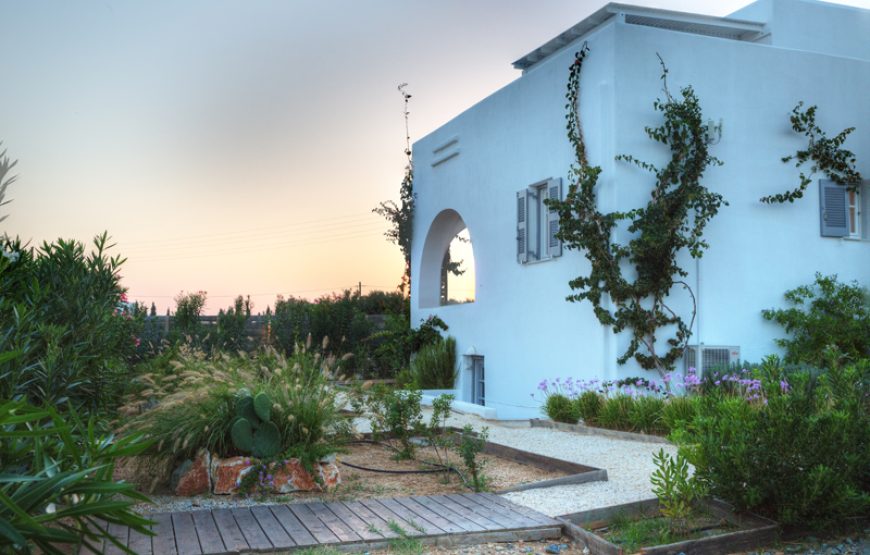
783,386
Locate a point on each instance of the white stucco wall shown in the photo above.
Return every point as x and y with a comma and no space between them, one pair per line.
520,321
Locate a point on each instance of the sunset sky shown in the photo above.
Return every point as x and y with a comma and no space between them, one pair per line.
239,147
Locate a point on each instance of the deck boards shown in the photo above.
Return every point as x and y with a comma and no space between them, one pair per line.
352,525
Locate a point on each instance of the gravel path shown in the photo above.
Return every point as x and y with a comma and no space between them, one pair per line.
628,464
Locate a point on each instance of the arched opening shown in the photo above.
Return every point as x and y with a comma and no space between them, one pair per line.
447,273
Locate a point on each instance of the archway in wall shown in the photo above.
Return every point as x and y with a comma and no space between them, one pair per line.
447,273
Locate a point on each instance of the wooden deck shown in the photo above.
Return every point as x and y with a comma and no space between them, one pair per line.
348,526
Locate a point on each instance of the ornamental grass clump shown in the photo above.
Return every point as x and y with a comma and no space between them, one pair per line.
199,405
434,366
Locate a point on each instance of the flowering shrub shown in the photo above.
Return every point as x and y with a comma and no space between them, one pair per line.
794,448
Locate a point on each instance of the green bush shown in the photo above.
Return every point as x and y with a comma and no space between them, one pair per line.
645,414
825,314
196,406
798,452
588,406
62,311
57,481
434,367
560,408
679,412
395,412
616,412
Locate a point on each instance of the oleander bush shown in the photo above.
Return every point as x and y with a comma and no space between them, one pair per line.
57,480
792,447
63,311
198,404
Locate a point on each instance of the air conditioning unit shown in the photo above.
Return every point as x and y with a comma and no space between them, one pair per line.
704,358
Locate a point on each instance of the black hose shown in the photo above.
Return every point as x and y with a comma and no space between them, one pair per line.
385,471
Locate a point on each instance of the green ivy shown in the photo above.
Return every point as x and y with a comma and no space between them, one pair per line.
674,219
826,154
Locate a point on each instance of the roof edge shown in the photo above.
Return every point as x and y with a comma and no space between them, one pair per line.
723,27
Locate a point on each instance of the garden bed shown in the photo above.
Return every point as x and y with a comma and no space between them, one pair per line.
715,528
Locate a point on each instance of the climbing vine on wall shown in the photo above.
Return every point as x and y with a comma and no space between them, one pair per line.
401,215
826,155
638,276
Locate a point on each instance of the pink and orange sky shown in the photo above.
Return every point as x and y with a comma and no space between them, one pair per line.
239,147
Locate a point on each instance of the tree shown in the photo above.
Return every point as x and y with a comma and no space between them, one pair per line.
401,215
638,276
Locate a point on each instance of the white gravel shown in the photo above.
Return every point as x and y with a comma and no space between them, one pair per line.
628,464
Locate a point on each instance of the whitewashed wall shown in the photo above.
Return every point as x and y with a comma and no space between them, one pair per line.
520,321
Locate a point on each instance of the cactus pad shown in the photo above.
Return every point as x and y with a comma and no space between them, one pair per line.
263,407
267,441
242,434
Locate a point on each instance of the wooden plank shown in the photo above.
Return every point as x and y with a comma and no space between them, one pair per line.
163,541
596,518
273,529
440,512
292,526
254,535
232,537
122,534
581,478
99,545
493,512
411,519
539,517
140,543
484,522
593,542
317,528
344,532
358,525
207,531
185,534
371,518
390,517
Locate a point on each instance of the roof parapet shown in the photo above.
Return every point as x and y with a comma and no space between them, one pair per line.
721,27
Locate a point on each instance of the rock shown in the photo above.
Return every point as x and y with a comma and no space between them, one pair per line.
226,474
554,548
193,477
291,476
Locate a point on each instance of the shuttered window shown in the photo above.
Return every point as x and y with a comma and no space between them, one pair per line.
834,217
537,225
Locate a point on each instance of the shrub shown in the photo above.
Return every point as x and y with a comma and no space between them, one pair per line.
645,414
395,412
588,406
560,408
798,453
64,312
197,406
675,489
826,313
678,412
434,367
616,412
471,444
59,496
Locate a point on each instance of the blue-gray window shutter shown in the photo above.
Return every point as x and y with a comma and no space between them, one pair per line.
554,191
834,216
522,227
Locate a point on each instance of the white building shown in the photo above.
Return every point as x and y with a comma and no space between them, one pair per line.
749,70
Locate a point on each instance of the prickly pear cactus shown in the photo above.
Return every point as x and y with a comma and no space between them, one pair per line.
253,432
